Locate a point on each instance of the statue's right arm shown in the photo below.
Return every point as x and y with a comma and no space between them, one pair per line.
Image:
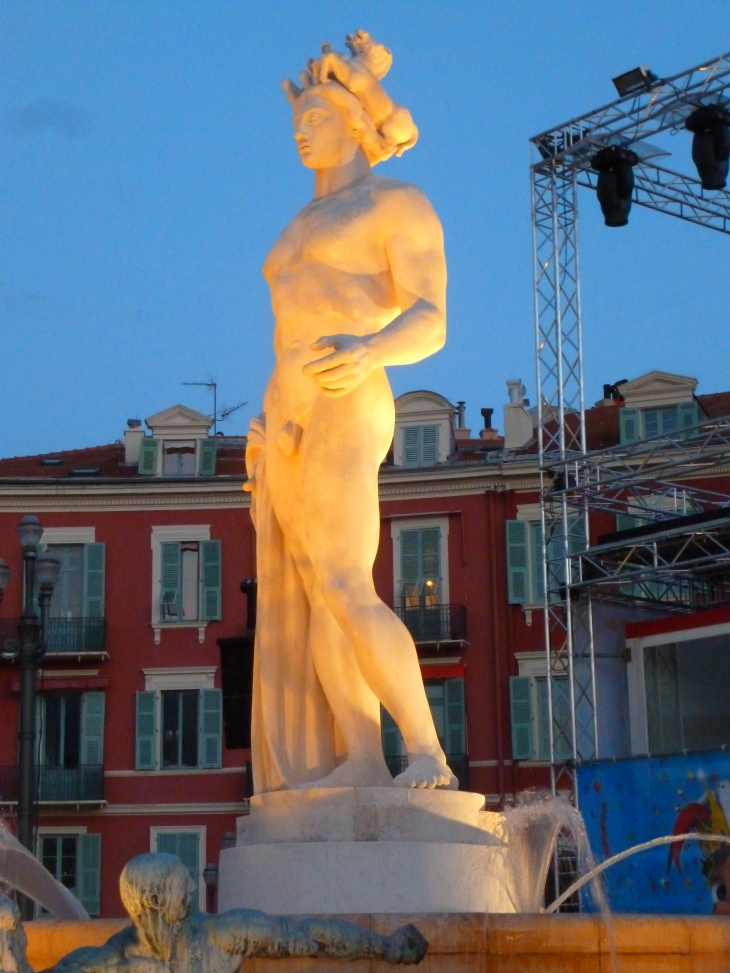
97,959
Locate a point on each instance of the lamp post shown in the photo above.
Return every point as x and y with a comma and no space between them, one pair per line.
32,638
210,877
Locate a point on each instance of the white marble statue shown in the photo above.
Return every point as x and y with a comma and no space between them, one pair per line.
358,282
167,937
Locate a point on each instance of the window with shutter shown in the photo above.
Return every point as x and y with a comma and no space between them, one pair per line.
186,846
455,722
94,580
393,745
411,438
145,749
688,415
207,450
520,693
421,567
149,451
430,448
561,719
210,578
517,566
209,746
89,872
629,425
92,728
170,608
420,445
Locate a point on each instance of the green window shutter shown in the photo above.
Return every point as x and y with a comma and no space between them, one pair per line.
538,586
390,734
430,440
411,442
40,724
577,537
455,735
410,556
517,561
149,450
561,718
206,457
626,522
94,557
688,414
543,720
170,581
209,735
186,845
629,424
145,755
210,580
430,540
88,850
520,695
92,728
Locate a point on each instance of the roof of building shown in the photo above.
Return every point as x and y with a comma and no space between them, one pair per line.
107,462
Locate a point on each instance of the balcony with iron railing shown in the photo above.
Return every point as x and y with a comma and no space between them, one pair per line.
435,624
57,785
66,637
459,763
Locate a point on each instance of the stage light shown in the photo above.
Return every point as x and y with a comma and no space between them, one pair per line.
614,166
710,126
638,79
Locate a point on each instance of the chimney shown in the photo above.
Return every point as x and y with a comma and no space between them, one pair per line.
488,432
461,432
517,420
133,436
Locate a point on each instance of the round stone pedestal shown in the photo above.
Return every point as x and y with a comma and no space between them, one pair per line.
380,850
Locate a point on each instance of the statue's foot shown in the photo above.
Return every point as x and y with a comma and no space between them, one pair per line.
406,945
354,773
425,770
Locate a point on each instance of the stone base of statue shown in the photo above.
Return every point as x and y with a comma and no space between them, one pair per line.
384,850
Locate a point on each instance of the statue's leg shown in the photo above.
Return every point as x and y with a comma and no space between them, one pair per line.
342,529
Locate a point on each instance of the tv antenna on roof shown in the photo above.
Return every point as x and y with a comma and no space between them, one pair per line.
225,413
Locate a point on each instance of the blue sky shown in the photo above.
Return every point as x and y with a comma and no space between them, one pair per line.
147,165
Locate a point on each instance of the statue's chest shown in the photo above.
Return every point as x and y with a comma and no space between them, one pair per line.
336,233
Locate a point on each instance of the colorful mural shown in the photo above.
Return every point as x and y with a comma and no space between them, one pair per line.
627,802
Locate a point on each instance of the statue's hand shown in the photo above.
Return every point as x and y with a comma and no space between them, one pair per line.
342,371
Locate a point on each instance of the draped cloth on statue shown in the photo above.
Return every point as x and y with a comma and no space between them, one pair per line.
293,734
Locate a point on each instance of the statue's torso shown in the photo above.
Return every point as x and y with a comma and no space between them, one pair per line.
328,274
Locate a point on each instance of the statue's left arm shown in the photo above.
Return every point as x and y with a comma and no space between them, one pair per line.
414,246
245,932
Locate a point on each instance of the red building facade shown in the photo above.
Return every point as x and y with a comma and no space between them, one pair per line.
155,538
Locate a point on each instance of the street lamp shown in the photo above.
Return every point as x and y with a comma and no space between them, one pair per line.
32,639
210,877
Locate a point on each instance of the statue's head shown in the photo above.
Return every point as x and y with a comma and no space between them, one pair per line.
157,891
330,125
341,107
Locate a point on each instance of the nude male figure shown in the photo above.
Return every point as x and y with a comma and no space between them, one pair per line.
358,283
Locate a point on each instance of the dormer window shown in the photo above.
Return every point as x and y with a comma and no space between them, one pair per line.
645,423
178,458
658,404
420,445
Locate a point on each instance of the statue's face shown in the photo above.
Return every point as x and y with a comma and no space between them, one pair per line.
323,135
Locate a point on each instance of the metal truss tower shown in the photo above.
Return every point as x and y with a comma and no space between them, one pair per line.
668,560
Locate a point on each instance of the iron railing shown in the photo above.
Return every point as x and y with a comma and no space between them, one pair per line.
437,623
459,763
66,636
55,785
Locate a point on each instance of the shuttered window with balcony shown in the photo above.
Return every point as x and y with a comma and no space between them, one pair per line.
178,729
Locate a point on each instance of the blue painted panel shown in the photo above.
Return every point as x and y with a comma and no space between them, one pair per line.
627,802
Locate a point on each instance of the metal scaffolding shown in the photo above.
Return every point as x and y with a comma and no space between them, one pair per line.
676,553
